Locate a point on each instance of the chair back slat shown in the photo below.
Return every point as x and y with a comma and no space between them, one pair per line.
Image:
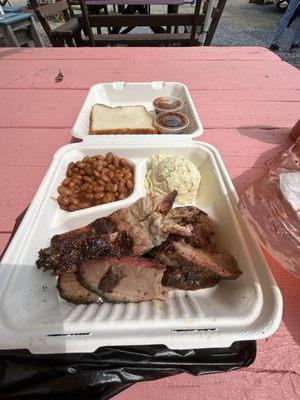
45,24
217,12
196,23
86,23
49,10
144,20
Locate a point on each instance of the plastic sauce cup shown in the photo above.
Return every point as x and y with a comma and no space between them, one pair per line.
171,122
167,103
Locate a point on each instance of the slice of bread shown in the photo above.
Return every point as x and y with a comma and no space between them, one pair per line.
106,120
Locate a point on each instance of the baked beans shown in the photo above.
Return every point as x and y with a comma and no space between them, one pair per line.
95,180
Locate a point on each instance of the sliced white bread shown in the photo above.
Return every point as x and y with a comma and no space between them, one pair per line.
106,120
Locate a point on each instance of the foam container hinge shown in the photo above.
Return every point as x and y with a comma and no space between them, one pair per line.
130,94
34,317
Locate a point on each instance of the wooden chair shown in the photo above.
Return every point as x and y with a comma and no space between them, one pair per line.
18,29
68,32
157,22
215,18
92,8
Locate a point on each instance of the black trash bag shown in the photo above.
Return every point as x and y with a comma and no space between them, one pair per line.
109,370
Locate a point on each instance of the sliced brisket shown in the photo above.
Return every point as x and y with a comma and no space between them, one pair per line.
186,278
71,290
192,269
224,265
124,280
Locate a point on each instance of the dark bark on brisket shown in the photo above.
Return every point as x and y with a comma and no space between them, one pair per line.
100,226
224,265
111,279
185,278
180,273
67,255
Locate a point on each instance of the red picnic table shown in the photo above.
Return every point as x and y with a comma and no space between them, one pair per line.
247,98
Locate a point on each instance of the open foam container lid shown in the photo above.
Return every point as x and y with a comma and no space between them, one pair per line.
130,94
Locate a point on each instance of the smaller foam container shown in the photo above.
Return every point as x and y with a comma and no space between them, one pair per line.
131,94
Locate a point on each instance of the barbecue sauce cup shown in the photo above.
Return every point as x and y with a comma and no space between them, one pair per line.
167,103
171,122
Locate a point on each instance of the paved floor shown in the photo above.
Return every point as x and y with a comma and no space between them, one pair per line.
245,24
242,24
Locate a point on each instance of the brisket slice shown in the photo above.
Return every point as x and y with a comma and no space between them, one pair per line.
224,265
180,274
192,269
68,255
124,280
71,290
186,278
203,235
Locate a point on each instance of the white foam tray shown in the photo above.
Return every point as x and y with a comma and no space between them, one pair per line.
34,317
129,94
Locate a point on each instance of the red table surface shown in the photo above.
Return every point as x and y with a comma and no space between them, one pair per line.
247,99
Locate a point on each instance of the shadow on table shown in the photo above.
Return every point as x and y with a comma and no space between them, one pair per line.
288,283
10,51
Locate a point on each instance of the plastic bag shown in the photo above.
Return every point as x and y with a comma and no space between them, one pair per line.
109,370
269,206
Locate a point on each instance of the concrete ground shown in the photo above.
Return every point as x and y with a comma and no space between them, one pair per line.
242,24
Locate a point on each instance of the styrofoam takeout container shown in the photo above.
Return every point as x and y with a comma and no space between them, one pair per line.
131,94
34,317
